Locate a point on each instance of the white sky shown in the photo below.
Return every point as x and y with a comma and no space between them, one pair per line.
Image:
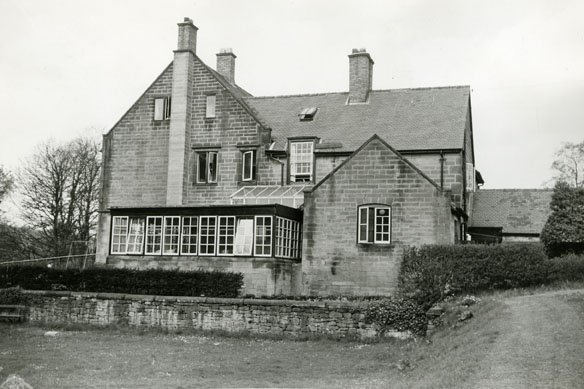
72,66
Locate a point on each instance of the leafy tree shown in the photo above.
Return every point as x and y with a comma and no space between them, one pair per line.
569,164
59,188
564,230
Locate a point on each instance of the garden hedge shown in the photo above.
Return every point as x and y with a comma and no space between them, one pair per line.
430,273
130,281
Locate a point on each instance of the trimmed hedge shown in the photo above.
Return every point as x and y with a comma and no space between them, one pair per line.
400,314
130,281
430,273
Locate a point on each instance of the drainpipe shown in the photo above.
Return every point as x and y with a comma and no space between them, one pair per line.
442,159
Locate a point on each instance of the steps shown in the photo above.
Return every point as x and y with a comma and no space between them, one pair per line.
12,313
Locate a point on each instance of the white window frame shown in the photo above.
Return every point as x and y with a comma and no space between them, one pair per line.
171,235
360,224
210,106
189,235
162,108
304,157
225,232
207,235
209,156
136,238
388,224
252,165
373,224
122,234
268,233
148,235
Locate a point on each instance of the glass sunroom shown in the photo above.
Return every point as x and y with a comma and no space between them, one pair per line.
269,230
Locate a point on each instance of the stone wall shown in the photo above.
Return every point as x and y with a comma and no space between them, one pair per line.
261,276
280,317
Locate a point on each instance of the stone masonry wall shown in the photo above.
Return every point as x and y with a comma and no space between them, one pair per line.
280,317
261,276
333,262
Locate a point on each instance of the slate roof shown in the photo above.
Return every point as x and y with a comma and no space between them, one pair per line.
515,210
408,119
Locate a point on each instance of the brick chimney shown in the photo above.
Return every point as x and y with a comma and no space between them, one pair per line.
226,64
187,36
360,76
180,117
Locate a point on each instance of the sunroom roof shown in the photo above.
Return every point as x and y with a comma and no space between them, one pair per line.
289,195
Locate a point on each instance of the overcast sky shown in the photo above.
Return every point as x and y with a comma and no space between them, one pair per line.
68,67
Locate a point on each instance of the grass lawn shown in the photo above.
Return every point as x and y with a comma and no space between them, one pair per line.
88,357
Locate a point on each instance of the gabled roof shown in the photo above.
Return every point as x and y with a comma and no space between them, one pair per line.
408,119
522,211
365,144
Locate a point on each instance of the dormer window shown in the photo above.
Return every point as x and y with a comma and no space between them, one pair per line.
301,159
162,108
307,114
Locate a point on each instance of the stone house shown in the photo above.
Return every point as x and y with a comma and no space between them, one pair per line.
305,194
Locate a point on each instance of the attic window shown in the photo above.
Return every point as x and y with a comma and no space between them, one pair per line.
307,114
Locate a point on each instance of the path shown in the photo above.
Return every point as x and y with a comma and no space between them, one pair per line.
541,344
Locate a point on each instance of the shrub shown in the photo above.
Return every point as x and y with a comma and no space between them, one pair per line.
563,232
430,273
567,268
152,281
399,314
13,296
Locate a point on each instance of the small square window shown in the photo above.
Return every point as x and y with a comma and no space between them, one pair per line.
162,108
210,111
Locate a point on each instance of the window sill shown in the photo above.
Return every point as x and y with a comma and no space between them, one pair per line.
204,184
247,183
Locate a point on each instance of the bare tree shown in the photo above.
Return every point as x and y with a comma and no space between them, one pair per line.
6,182
569,164
59,189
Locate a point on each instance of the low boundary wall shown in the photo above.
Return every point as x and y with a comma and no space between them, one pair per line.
257,316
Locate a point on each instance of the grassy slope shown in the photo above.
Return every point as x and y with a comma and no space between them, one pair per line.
130,359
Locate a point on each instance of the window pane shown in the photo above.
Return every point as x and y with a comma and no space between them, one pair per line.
247,165
153,234
158,109
300,161
119,234
189,235
363,225
207,233
226,234
171,234
212,167
202,171
244,237
210,106
263,236
136,236
382,225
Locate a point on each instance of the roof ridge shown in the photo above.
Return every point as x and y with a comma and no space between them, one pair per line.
514,189
297,95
